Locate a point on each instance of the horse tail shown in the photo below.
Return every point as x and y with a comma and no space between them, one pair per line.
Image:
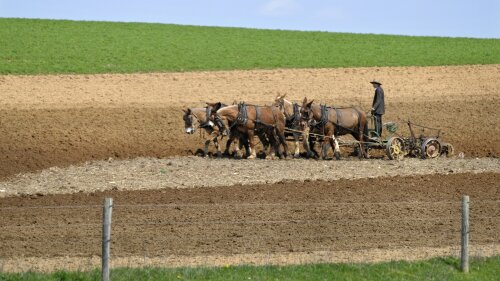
362,125
365,131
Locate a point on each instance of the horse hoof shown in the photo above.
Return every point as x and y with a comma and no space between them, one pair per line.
337,156
251,157
296,156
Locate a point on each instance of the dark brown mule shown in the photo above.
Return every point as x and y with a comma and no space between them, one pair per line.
235,137
293,121
251,120
332,122
197,118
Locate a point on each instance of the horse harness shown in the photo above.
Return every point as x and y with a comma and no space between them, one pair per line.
208,113
242,117
325,118
294,119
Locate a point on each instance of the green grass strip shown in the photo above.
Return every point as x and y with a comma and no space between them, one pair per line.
435,269
32,46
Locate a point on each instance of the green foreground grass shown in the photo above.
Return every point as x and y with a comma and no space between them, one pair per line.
31,46
435,269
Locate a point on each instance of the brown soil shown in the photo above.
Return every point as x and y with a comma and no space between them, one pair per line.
61,120
284,218
48,121
188,172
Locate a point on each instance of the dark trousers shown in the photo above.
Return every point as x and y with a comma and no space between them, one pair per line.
378,124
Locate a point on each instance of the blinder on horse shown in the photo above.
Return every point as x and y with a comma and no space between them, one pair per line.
220,125
188,122
307,115
207,123
294,119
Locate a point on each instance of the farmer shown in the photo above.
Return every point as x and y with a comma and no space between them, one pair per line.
378,106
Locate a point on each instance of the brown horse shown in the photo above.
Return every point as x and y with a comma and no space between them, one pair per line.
197,118
294,122
251,120
331,122
211,111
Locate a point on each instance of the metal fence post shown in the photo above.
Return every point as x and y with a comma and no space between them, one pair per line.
106,237
464,265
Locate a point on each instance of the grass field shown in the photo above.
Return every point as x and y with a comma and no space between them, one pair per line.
30,46
435,269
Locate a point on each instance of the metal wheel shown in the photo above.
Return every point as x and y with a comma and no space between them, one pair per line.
447,149
431,148
395,148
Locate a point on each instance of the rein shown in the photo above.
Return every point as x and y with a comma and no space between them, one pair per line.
201,125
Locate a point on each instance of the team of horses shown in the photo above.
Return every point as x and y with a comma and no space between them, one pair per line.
307,123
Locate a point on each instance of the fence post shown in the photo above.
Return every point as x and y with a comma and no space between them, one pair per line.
106,237
464,265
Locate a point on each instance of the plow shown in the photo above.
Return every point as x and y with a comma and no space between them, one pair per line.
397,146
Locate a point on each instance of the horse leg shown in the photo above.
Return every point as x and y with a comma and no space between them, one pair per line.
266,145
205,150
282,140
274,143
253,154
244,141
324,148
307,142
217,146
361,152
296,153
335,145
226,150
271,145
237,144
312,153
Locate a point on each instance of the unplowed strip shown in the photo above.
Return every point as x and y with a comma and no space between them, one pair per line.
278,220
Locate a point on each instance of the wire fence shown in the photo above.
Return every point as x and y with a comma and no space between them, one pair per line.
258,233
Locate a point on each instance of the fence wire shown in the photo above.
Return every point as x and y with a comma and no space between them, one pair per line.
268,237
246,205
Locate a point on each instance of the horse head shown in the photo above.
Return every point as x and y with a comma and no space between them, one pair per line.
306,111
188,118
215,106
279,101
211,111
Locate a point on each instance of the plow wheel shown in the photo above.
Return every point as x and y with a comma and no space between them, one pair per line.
395,148
447,149
431,148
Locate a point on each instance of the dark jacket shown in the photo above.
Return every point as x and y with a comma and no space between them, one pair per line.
378,101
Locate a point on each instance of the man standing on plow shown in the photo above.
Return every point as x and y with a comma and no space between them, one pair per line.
378,106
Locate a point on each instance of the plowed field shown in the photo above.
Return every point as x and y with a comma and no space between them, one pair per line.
377,210
401,218
60,120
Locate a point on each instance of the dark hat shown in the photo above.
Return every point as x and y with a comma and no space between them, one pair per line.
375,82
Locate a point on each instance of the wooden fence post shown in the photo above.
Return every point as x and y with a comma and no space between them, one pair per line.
106,237
464,265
